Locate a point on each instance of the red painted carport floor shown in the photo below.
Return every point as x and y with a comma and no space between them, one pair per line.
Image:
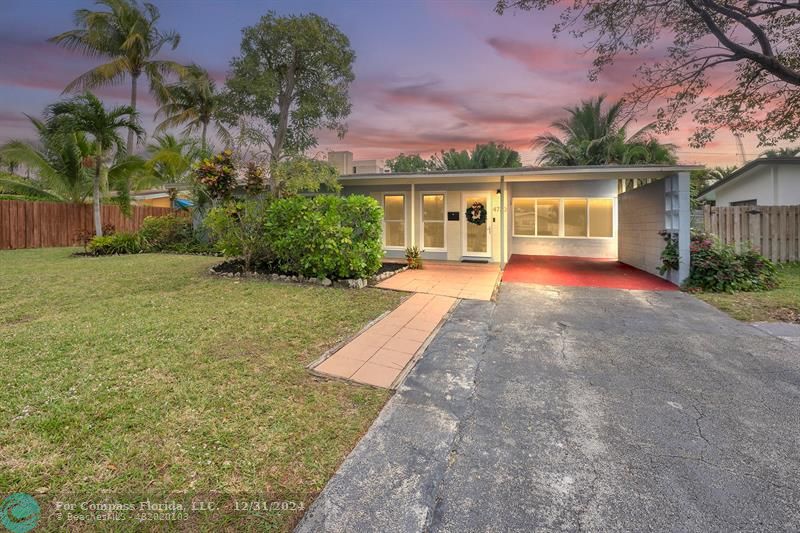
581,272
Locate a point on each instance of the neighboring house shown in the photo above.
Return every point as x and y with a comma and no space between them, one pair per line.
344,163
563,211
766,181
160,197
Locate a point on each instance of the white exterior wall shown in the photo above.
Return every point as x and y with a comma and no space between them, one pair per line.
641,217
605,248
788,192
757,185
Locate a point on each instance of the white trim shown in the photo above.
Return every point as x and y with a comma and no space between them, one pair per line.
443,194
404,194
561,226
464,251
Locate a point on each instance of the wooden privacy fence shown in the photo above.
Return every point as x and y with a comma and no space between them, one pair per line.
772,230
47,224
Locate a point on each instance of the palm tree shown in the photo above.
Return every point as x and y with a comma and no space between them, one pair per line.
171,159
594,136
59,161
85,113
126,34
490,155
793,151
193,101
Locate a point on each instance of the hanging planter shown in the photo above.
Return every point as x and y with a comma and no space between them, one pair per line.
476,214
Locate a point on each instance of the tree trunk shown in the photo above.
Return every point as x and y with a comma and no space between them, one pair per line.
98,223
134,79
203,141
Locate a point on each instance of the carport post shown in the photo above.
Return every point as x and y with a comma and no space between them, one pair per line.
502,222
684,226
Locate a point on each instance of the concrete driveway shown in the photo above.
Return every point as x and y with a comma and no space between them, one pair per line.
582,409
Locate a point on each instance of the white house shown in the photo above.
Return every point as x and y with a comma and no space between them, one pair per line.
556,211
760,182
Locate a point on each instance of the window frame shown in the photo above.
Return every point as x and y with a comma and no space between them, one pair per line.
405,219
561,217
422,194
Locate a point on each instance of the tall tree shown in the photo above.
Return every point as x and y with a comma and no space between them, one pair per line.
490,155
595,134
86,113
758,39
408,163
127,34
192,102
290,81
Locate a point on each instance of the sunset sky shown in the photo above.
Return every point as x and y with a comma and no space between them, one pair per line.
429,74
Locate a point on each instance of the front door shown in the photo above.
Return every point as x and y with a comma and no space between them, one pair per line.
477,237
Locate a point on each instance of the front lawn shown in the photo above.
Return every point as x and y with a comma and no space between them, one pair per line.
781,304
141,377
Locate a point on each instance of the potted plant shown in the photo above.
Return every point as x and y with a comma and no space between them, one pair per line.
414,257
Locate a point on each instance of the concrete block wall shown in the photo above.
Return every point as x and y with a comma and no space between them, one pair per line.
641,217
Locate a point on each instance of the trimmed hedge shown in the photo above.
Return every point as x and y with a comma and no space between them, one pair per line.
326,236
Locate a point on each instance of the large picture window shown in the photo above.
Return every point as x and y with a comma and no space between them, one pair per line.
563,217
394,220
433,217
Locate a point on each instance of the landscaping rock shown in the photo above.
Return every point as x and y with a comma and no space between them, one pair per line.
326,282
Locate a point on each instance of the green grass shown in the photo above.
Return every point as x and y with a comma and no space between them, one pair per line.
133,377
781,304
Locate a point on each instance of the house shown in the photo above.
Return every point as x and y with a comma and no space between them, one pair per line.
162,197
765,181
561,211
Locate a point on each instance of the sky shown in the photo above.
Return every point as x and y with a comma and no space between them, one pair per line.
430,75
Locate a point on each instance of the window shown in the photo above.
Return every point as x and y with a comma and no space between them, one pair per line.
563,217
601,217
433,217
394,220
547,217
744,202
575,217
524,216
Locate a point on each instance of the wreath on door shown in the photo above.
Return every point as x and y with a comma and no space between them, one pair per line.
476,214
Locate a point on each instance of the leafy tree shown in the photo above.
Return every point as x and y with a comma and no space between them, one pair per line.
408,163
86,114
193,101
290,81
127,34
301,174
793,151
490,155
759,39
592,135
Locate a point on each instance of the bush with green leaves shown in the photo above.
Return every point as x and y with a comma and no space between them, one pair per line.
170,233
718,267
326,236
115,244
239,230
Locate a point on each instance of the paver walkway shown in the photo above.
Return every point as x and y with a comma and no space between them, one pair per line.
466,281
379,355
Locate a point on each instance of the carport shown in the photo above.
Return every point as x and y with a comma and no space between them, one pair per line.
551,236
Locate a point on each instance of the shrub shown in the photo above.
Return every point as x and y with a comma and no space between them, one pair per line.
717,267
326,236
217,175
166,233
117,243
239,229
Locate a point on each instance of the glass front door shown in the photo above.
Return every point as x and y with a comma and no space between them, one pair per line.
476,236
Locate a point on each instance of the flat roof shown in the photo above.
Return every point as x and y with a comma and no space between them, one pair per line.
748,167
519,173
